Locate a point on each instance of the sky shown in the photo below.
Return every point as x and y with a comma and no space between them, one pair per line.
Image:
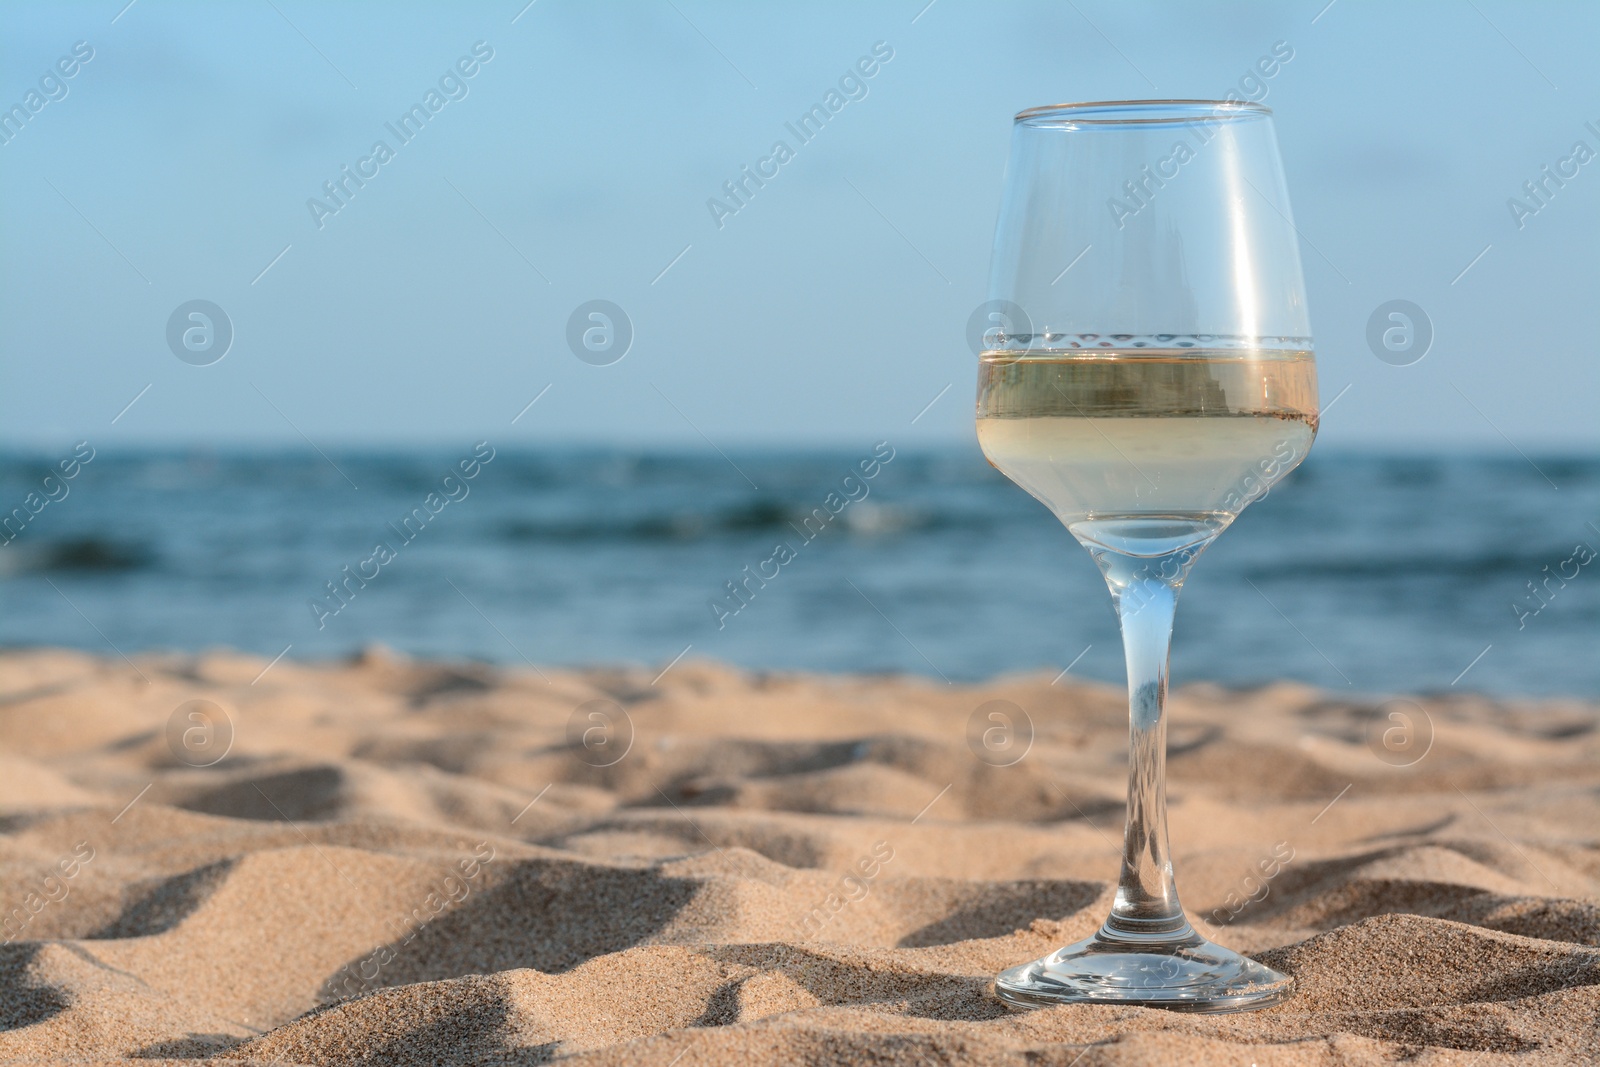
579,159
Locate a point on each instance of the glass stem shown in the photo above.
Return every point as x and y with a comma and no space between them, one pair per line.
1145,590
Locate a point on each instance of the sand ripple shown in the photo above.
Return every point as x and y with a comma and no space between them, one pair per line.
412,863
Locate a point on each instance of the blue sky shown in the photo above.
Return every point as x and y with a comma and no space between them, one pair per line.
577,164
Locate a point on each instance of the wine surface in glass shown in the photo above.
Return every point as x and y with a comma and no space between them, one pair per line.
1162,441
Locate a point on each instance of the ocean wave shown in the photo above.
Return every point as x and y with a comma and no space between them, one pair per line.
1418,565
98,555
866,518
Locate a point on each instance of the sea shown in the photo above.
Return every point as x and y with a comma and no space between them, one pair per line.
1361,573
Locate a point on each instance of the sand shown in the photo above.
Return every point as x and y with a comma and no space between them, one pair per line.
420,863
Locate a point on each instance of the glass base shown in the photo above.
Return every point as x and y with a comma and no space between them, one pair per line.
1186,974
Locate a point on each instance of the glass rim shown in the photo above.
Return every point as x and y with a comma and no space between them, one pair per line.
1138,112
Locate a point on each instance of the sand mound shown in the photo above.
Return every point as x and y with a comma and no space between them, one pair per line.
413,863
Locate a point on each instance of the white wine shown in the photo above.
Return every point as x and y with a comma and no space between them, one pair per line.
1189,436
1146,454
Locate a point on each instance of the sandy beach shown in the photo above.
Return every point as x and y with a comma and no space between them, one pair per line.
387,861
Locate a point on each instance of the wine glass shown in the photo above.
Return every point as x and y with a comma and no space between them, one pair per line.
1146,374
